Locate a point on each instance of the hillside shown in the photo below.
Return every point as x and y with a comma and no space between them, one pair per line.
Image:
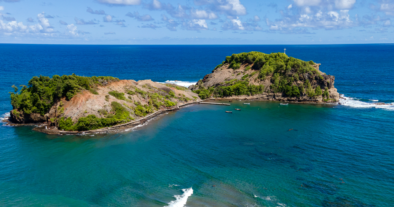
75,103
274,77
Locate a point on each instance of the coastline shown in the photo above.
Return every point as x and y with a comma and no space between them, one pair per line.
43,127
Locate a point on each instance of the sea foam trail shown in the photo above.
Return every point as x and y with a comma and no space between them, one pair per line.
181,83
351,102
181,199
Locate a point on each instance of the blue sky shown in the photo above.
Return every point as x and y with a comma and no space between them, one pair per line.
197,21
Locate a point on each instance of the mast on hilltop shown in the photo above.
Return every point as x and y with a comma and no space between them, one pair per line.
285,51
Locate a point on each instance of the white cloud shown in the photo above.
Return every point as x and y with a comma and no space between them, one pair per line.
344,4
202,14
233,24
256,18
387,23
387,7
230,7
107,18
72,29
120,2
195,24
1,8
156,4
307,2
290,6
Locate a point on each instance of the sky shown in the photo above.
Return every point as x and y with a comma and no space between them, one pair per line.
197,21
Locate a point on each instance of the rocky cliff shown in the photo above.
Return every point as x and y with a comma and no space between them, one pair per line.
95,105
274,77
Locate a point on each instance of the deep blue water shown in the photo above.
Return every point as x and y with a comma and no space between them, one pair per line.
335,155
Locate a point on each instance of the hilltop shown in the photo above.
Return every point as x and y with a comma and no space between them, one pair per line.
274,77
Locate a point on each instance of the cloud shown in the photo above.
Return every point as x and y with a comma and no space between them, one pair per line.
387,6
171,24
150,26
233,24
107,18
63,22
256,18
98,12
307,2
195,24
230,7
44,22
1,8
14,27
72,29
139,17
344,4
30,19
155,5
109,33
202,14
120,2
83,22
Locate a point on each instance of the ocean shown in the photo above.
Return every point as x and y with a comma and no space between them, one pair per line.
264,155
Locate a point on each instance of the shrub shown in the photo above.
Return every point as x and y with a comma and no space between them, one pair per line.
168,103
117,95
318,91
93,91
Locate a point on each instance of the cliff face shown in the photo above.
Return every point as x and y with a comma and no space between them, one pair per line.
278,80
133,99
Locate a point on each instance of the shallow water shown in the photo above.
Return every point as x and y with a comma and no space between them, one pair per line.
263,155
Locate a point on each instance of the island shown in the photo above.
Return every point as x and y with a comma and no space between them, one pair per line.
269,77
72,104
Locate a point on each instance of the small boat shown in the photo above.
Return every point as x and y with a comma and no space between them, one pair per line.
230,112
238,109
284,104
247,103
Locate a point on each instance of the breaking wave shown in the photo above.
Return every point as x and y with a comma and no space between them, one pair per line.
352,102
181,199
5,116
181,83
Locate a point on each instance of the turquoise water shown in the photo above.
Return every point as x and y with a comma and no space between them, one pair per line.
263,155
242,159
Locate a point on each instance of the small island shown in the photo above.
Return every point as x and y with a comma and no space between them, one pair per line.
72,104
267,77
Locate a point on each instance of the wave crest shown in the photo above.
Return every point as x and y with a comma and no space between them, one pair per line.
181,199
181,83
352,102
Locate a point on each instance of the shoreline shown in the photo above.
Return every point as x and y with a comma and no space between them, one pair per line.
43,127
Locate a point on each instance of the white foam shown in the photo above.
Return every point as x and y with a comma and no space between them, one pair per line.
181,83
172,185
181,199
374,100
5,116
351,102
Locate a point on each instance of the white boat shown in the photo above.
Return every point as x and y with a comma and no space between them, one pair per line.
247,103
284,104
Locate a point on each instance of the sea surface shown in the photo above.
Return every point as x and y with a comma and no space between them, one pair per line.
263,155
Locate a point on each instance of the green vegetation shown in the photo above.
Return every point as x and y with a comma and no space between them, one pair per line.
284,73
168,103
117,95
42,92
118,115
176,86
